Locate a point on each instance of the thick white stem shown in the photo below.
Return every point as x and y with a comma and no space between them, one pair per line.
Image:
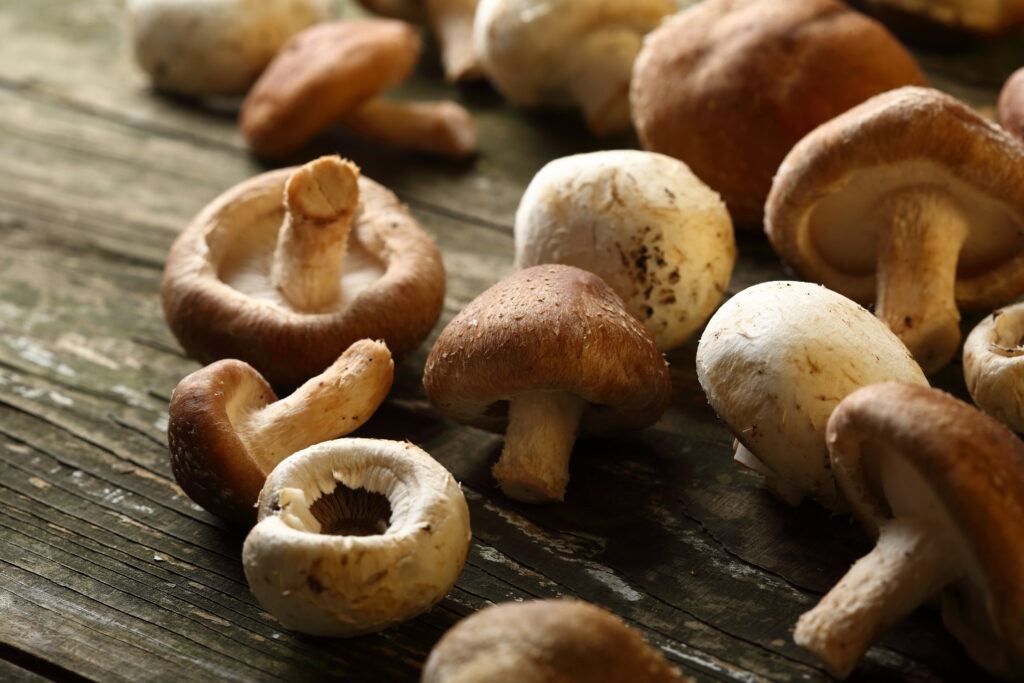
452,23
918,250
534,465
911,561
442,127
320,200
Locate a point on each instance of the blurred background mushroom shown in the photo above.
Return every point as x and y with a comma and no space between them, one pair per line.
1010,105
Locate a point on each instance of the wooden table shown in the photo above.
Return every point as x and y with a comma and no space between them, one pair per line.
108,572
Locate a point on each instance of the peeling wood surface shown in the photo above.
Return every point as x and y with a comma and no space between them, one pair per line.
108,573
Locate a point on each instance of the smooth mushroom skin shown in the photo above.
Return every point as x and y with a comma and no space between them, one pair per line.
1010,105
213,47
993,359
644,223
729,86
545,355
227,428
910,201
566,53
330,73
775,360
545,641
356,535
221,301
941,486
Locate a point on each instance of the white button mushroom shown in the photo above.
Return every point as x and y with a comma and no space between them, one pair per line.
355,535
641,221
775,360
993,360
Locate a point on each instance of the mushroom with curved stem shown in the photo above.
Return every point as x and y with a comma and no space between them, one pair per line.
545,355
356,535
227,429
775,360
912,201
566,53
941,486
240,280
993,360
644,223
1010,105
332,73
542,641
213,47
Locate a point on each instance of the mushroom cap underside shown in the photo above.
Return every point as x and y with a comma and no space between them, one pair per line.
993,360
821,212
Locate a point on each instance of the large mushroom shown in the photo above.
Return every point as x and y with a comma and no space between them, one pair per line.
994,365
544,355
227,428
566,53
911,201
332,73
729,86
644,223
941,486
356,535
775,360
289,268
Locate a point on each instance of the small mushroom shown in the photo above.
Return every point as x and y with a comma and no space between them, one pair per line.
566,53
643,222
1010,105
729,86
949,19
545,641
227,429
332,73
775,360
354,536
451,21
941,486
213,47
994,365
912,201
287,284
545,354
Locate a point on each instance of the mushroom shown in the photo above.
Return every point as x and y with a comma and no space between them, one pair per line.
950,18
354,536
545,641
566,53
912,201
993,360
213,47
545,354
451,21
775,360
1010,105
286,285
729,86
227,429
661,238
941,486
332,73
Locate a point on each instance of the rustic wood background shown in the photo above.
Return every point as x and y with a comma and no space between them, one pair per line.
109,573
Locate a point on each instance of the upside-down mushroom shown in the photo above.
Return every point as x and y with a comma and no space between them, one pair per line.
993,360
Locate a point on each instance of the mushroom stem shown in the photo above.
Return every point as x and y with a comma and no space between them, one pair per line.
452,23
916,276
441,127
534,465
353,386
320,200
910,562
601,83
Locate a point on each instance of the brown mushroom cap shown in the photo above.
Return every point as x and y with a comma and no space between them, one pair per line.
545,641
1010,106
911,201
729,86
220,303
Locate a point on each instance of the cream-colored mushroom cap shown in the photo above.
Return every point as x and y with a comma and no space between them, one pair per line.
356,535
644,223
941,485
911,201
566,53
213,47
776,359
545,641
993,359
